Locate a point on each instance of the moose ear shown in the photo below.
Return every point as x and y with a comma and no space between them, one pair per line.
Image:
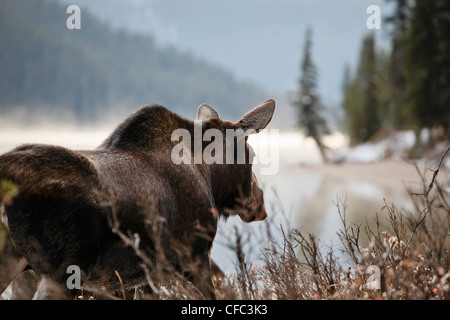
259,117
205,111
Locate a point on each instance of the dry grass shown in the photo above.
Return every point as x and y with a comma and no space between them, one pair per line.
406,256
409,251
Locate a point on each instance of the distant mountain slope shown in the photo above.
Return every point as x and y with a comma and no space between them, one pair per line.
94,69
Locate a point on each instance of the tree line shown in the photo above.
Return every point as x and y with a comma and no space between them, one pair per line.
404,88
97,69
408,87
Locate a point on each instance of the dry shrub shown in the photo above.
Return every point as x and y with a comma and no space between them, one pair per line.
406,256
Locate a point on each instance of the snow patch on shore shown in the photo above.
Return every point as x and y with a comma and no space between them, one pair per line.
369,152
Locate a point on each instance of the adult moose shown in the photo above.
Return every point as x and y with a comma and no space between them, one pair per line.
62,213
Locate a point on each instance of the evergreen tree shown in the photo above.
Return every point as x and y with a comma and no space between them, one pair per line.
308,104
361,102
410,88
428,64
347,79
396,113
353,111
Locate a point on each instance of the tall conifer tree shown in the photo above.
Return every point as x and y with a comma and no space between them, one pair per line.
308,104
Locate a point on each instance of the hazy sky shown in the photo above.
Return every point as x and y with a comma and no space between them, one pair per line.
258,40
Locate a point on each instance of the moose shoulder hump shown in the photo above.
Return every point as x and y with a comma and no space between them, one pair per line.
148,128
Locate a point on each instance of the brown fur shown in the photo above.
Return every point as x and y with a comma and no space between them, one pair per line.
62,215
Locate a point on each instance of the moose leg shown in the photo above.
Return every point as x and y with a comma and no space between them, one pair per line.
49,289
11,264
200,270
203,280
24,286
200,275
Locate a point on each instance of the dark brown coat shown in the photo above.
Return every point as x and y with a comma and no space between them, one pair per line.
69,201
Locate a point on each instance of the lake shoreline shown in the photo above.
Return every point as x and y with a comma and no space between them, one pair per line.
383,172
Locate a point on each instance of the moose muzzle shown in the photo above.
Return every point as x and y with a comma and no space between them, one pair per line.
252,208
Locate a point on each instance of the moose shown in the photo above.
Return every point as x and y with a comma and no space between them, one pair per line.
71,204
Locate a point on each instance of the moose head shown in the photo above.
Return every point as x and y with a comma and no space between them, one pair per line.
223,146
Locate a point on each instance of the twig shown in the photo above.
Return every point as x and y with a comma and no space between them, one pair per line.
435,173
437,170
121,285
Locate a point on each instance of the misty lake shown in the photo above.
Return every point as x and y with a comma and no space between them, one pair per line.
302,194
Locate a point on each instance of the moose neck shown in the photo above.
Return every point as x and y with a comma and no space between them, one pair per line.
227,182
150,129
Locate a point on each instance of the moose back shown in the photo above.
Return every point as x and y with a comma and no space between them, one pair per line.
71,204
